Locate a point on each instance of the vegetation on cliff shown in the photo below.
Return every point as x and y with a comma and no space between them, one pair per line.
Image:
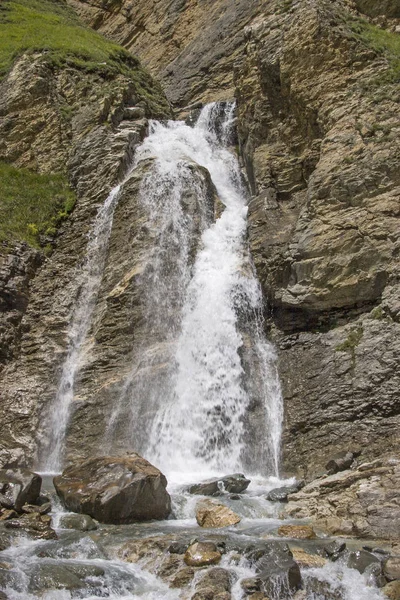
32,205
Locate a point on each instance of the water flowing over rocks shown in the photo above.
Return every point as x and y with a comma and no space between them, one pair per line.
115,489
235,484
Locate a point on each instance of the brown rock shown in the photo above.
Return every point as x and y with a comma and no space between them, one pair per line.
202,554
115,489
392,590
297,532
213,515
304,559
391,568
7,514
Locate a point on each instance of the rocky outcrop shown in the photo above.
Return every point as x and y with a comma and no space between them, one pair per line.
360,502
115,489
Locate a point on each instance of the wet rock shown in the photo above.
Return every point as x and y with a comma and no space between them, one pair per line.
361,560
297,532
215,583
7,514
321,589
214,515
278,570
42,509
235,484
33,525
306,560
251,585
115,489
333,549
341,462
79,522
182,577
281,494
392,590
201,554
5,540
391,568
18,487
83,571
48,577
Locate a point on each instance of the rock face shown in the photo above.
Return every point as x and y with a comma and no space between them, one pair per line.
115,489
213,514
359,502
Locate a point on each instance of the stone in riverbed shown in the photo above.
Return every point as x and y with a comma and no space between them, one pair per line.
392,590
306,560
18,487
201,554
391,568
213,514
278,571
214,585
79,522
234,484
297,532
115,489
34,525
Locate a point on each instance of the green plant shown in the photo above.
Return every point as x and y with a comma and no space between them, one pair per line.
352,341
32,204
377,313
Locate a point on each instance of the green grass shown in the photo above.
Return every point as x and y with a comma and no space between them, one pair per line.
51,27
32,206
382,42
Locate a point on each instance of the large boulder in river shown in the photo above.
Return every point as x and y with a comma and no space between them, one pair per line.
115,489
18,487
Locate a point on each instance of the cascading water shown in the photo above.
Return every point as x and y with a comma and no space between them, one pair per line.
203,310
90,280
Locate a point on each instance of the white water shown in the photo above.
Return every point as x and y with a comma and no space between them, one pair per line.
203,308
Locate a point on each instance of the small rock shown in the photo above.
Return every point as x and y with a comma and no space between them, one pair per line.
211,514
392,590
7,514
235,484
340,462
18,487
391,568
333,549
182,577
34,525
42,509
362,559
201,554
251,585
281,494
306,560
297,532
78,522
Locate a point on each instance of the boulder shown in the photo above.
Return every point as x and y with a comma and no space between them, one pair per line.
234,484
53,576
201,554
334,549
340,462
392,590
278,571
215,584
115,489
18,487
297,532
361,560
79,522
391,568
281,494
213,514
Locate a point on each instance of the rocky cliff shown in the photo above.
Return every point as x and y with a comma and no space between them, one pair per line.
317,87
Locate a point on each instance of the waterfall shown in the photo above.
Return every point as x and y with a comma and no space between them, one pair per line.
89,278
192,414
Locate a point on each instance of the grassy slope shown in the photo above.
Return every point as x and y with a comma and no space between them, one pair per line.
31,204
